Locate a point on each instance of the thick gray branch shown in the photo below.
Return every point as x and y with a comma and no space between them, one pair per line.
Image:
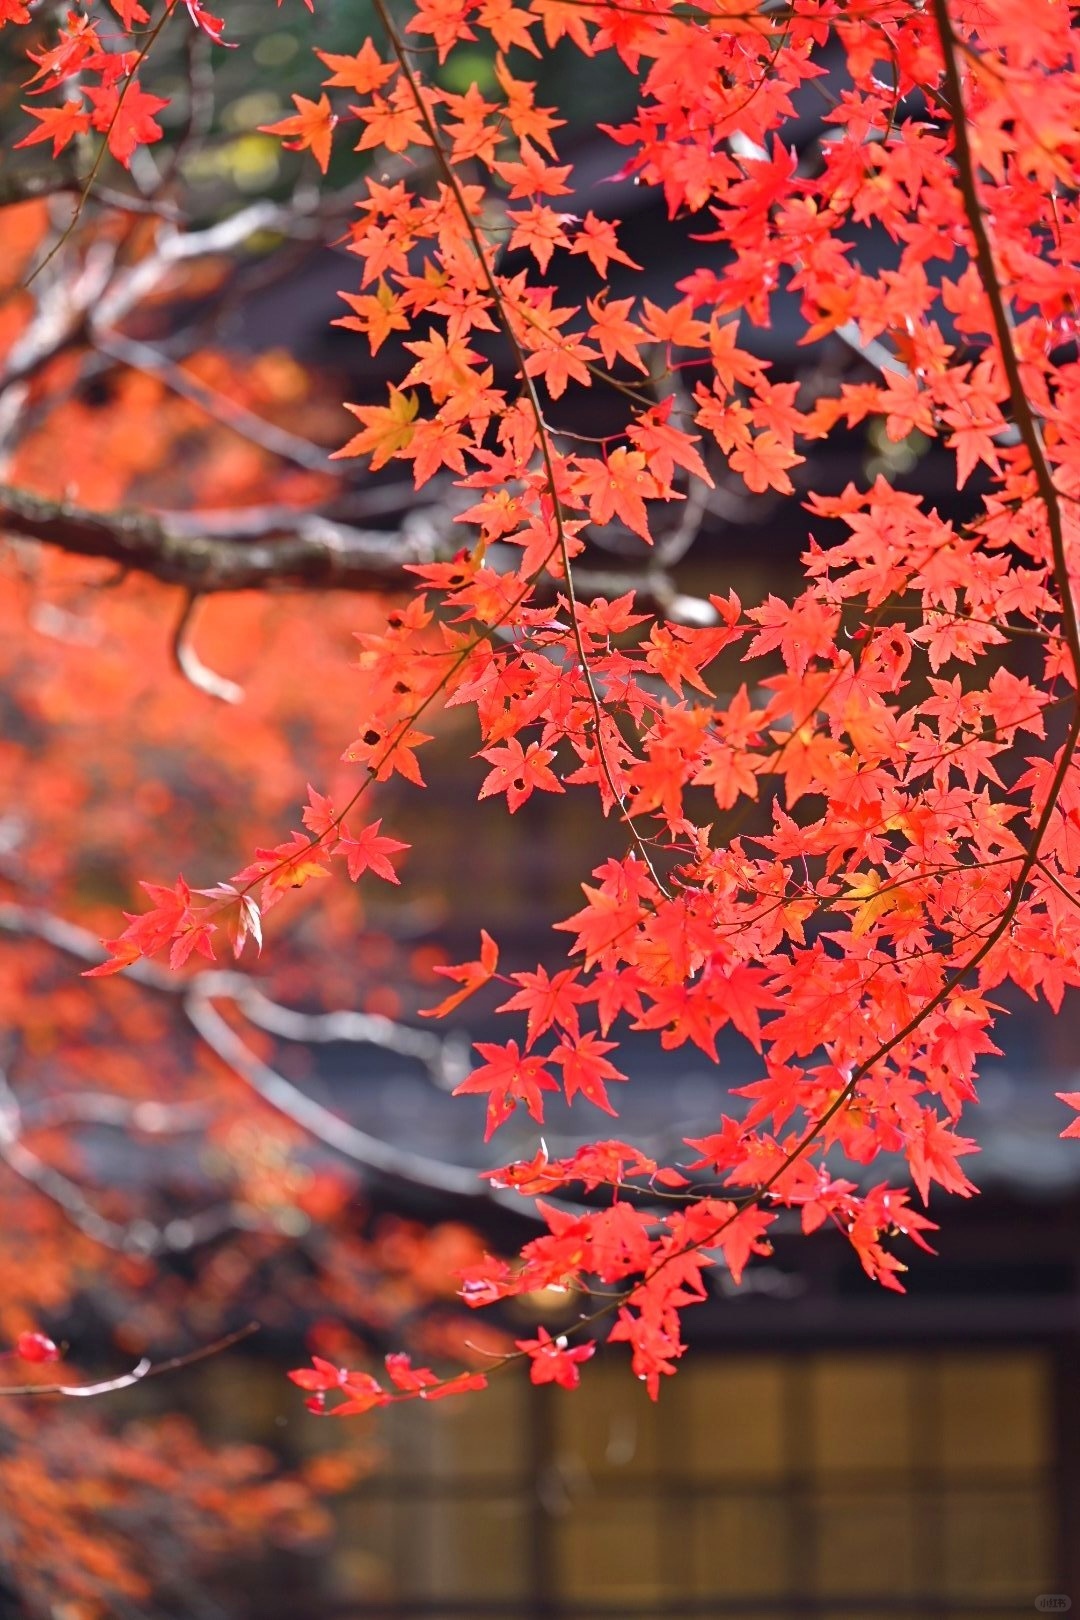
316,553
214,552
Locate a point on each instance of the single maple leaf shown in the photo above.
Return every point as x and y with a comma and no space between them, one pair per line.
375,314
533,176
617,487
586,1069
763,463
744,1237
606,921
554,1361
666,446
518,771
318,815
464,1383
238,913
596,238
932,1152
367,851
57,124
387,428
540,1174
213,27
471,975
126,117
289,865
392,122
364,72
130,12
311,127
362,1393
547,1001
403,1375
385,753
322,1376
507,1077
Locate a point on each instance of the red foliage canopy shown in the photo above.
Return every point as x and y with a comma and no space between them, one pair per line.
839,823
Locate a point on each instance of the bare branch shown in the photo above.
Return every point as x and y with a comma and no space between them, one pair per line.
256,522
214,552
142,1369
442,1058
398,1163
25,185
138,1236
120,1113
173,247
439,1057
191,665
80,943
317,553
256,429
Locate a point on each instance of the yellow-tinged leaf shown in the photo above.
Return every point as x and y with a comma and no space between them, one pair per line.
388,429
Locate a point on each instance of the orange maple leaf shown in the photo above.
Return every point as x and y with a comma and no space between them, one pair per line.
311,127
387,428
470,975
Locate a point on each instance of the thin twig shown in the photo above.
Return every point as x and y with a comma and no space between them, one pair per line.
191,665
142,1369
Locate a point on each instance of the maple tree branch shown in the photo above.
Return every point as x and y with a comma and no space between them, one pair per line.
115,1111
135,1236
446,1059
1030,430
319,1122
191,666
274,548
230,413
142,1369
173,247
443,1059
87,186
315,553
27,185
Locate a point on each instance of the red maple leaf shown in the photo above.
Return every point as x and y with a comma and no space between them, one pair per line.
585,1069
470,975
368,852
310,128
555,1361
57,124
126,116
932,1153
507,1077
518,771
547,1000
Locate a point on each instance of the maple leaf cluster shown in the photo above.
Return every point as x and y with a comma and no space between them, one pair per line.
841,851
108,94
